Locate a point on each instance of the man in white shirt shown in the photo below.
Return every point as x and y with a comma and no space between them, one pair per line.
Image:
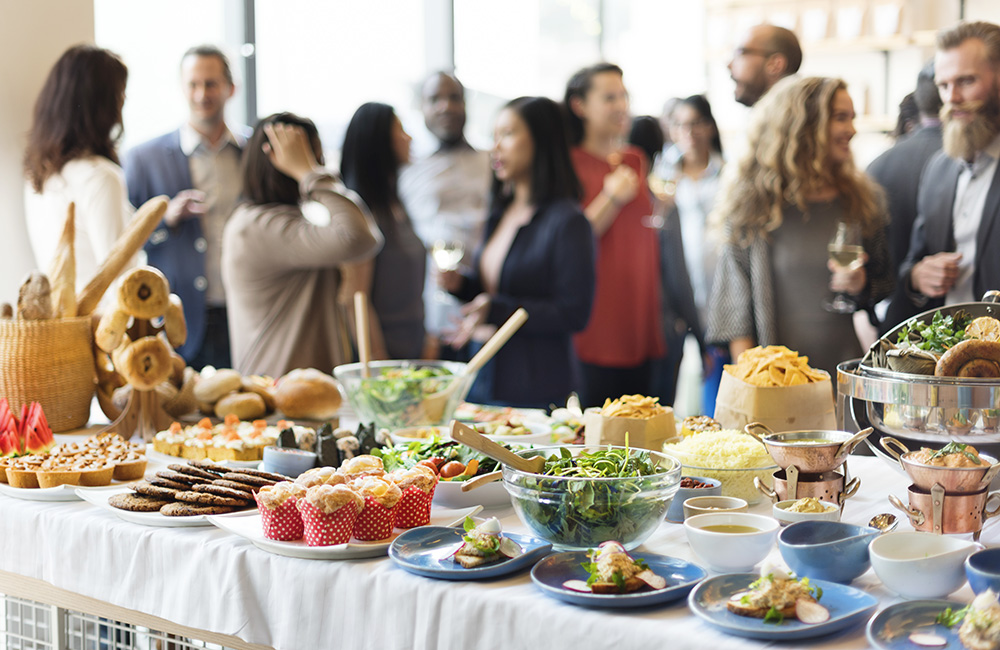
952,256
445,194
201,161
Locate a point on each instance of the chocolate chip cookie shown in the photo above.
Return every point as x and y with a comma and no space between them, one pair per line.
177,477
155,491
221,491
255,482
159,481
209,466
261,474
204,498
234,485
178,509
136,502
190,470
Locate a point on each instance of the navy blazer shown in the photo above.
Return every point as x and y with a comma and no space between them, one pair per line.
160,167
549,270
933,232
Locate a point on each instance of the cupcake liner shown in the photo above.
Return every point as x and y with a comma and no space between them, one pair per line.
414,509
283,523
321,529
375,521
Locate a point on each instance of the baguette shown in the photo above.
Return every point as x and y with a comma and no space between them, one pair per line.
126,246
62,272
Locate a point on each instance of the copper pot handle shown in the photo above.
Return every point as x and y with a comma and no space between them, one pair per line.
852,488
766,491
987,513
988,477
916,517
848,445
893,447
751,427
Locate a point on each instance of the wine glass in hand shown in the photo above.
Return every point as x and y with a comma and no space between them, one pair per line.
847,254
447,255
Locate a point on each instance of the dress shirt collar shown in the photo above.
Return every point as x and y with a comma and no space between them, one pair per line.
191,139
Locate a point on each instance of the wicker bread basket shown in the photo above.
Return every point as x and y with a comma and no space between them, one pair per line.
51,362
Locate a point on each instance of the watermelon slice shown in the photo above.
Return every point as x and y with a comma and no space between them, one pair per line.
10,431
35,430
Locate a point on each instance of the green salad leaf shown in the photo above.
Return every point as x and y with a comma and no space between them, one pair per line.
408,454
396,396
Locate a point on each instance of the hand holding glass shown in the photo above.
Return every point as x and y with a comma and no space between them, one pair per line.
847,253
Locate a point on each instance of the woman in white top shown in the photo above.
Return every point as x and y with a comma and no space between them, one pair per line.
71,157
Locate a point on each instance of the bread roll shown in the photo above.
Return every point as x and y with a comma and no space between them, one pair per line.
245,406
111,329
263,386
34,299
144,293
211,388
309,394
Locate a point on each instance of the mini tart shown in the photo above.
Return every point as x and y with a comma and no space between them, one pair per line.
130,470
49,478
95,476
4,464
21,477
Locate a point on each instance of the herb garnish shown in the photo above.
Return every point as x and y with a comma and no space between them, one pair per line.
950,618
774,617
940,334
956,448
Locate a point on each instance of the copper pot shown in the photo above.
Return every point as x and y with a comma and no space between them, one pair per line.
952,479
810,451
937,511
826,486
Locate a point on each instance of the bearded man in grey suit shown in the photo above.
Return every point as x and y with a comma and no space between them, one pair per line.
953,251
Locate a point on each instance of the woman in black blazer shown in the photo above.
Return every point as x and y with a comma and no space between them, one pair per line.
538,254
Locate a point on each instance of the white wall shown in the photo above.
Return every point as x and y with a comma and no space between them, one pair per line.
32,37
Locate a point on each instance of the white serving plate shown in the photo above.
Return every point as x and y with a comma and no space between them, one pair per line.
250,527
100,499
58,493
165,460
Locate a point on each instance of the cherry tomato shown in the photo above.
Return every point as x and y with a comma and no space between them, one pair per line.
438,461
454,468
429,464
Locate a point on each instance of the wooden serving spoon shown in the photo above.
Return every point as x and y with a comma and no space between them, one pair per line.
472,438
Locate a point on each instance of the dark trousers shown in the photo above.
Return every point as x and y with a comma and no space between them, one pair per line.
215,346
602,382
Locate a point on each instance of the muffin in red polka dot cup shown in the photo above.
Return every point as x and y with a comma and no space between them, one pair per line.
329,513
361,467
378,518
280,517
417,485
320,476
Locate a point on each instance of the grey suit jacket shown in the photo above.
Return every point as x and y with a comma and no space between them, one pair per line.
933,233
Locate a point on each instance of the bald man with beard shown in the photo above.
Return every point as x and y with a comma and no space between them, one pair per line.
766,55
953,251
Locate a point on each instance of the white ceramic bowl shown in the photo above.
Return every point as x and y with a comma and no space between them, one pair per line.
449,494
710,505
779,511
731,552
920,565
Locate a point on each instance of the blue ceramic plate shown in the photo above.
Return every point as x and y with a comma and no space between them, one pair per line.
550,574
892,627
427,551
848,606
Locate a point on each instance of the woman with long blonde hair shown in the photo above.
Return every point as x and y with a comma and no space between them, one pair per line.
780,208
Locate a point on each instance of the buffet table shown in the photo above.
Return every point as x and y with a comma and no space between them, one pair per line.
208,579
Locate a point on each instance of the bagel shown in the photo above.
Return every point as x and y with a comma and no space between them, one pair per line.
116,355
111,329
970,358
184,402
211,388
245,406
178,366
144,293
146,363
173,322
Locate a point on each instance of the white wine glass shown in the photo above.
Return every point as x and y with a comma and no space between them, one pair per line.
847,252
663,189
447,255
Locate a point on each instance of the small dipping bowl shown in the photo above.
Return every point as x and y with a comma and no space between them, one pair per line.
780,512
675,513
731,552
707,505
982,568
920,565
827,550
287,460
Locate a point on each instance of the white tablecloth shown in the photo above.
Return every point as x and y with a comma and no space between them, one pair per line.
208,579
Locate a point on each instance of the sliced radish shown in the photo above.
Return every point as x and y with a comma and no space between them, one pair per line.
510,548
811,612
651,579
577,585
928,640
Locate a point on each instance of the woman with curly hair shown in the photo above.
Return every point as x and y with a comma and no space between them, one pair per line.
781,205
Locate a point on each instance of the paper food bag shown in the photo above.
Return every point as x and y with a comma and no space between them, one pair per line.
646,433
781,408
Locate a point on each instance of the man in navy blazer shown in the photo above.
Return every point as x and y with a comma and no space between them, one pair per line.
952,256
199,161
